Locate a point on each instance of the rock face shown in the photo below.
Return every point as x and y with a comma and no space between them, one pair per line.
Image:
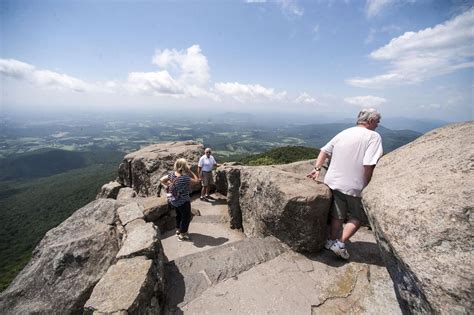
420,203
109,190
127,288
66,264
278,201
141,170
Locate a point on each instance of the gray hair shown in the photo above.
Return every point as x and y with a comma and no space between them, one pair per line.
207,149
367,114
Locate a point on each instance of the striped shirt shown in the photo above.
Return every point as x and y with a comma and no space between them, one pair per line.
181,189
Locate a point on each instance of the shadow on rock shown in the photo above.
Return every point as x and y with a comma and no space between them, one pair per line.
200,240
175,289
360,252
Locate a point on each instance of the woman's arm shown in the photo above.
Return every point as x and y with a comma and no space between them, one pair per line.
165,180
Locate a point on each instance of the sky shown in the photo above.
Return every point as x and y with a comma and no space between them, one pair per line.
406,58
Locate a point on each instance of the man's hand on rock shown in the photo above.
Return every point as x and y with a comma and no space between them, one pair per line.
314,174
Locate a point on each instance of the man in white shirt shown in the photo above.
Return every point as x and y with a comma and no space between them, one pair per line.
205,166
354,153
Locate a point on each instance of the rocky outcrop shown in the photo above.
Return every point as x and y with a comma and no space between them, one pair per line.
420,204
109,190
66,264
141,170
135,284
278,201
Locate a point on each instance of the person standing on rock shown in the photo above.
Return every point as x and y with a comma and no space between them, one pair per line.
177,184
205,166
354,153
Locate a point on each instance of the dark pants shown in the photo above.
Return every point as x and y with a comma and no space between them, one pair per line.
183,217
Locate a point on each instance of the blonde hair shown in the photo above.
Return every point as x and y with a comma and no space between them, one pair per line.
181,166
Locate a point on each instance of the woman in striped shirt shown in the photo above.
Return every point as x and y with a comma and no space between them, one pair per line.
177,187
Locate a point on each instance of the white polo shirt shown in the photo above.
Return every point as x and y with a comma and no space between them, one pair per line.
350,150
207,163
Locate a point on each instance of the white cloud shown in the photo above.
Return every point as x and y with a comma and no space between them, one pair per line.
248,92
305,98
418,56
43,78
159,83
191,65
366,101
291,7
374,7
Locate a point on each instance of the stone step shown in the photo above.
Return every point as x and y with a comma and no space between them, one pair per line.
188,277
293,283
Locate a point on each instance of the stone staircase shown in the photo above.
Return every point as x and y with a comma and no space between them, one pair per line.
222,272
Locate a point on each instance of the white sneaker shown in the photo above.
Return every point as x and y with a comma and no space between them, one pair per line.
340,249
329,243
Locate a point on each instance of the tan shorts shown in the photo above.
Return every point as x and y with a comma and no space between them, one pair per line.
206,178
347,207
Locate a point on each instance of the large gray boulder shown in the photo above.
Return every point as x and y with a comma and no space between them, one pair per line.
141,170
279,201
420,204
66,264
128,287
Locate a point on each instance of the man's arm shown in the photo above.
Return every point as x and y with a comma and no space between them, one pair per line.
314,174
368,171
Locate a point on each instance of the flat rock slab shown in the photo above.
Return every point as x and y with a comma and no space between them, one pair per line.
127,286
190,276
286,285
130,212
204,236
142,239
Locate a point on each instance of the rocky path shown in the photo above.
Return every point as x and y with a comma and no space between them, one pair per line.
222,272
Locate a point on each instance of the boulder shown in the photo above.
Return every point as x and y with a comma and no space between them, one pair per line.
154,208
130,212
282,203
141,170
142,239
109,190
66,264
420,204
129,287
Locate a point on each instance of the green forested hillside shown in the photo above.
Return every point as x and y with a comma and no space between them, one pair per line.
282,155
29,208
46,162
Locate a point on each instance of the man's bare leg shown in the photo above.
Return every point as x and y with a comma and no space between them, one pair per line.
336,228
349,229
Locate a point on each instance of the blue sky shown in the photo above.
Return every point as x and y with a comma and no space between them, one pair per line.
405,57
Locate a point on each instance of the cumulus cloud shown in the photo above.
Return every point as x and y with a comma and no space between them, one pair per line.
305,98
248,92
418,56
185,73
366,101
43,78
191,65
159,83
291,7
374,7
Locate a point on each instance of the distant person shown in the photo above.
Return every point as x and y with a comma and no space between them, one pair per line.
354,153
177,184
205,166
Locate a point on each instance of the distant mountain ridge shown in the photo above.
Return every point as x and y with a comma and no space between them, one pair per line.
317,135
